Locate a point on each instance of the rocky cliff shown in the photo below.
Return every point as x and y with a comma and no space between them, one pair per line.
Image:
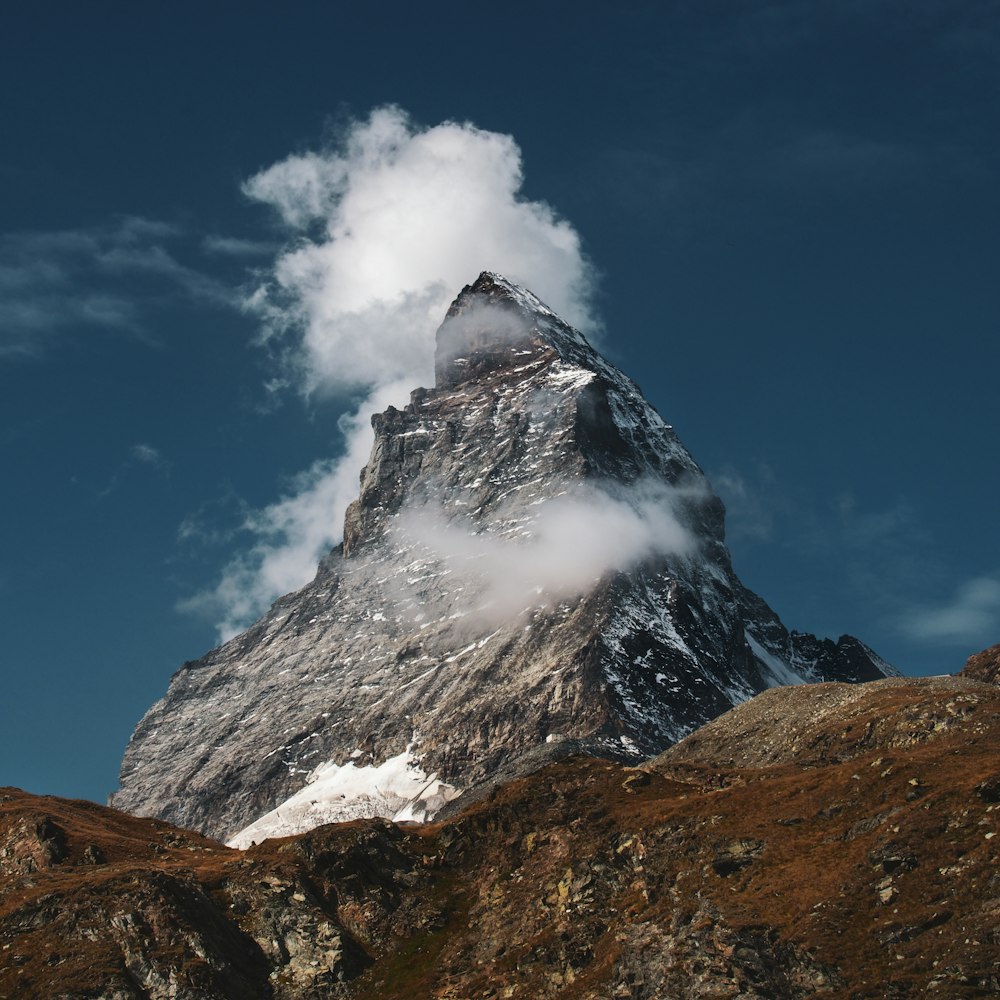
533,557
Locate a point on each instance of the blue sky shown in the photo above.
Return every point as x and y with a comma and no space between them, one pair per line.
786,218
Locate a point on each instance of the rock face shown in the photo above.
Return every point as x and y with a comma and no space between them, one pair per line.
533,557
836,841
984,666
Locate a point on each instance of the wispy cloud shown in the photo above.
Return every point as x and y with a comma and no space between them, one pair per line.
214,523
139,456
968,617
865,529
287,538
107,277
762,508
384,229
569,542
232,246
752,502
146,454
759,30
826,156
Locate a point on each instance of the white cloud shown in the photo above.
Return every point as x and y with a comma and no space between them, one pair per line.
570,543
385,229
970,617
402,217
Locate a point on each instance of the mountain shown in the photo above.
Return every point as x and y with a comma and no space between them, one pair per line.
534,564
835,841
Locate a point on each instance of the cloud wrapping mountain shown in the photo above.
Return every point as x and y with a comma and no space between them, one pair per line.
382,228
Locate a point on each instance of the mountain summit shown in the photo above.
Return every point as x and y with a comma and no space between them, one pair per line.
534,563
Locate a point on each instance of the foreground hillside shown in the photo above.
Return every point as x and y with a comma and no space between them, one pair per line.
833,840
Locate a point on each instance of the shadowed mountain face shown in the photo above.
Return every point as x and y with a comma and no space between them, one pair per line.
534,557
836,841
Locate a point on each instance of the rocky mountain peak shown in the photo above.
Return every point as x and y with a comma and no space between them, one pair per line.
533,558
494,324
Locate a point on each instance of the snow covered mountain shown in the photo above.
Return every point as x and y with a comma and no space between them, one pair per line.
534,559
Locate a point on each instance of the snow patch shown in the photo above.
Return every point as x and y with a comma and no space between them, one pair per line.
398,789
777,673
569,377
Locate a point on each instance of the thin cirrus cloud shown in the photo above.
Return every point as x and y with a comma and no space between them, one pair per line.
146,454
53,282
969,617
234,246
384,229
753,503
142,455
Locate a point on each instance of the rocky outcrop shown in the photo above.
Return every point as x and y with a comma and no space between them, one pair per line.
984,666
837,842
130,908
533,557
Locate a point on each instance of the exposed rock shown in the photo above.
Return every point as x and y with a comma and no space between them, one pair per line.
580,880
824,723
34,844
984,666
989,789
734,857
531,453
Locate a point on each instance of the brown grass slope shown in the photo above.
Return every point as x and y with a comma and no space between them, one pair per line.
833,841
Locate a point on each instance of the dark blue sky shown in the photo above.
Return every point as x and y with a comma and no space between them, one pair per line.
793,209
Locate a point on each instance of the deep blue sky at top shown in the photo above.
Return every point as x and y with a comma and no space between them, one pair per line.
794,209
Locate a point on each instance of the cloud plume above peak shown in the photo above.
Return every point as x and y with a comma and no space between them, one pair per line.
385,228
389,226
